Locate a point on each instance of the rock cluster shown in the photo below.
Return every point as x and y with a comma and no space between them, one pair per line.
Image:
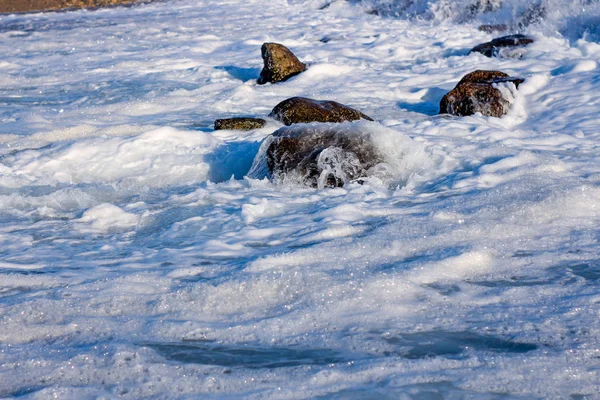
296,110
331,155
475,93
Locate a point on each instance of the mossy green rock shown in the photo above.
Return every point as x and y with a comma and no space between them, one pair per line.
239,124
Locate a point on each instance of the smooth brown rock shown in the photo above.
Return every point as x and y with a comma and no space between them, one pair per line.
482,76
491,49
320,157
471,98
280,64
239,124
303,110
475,93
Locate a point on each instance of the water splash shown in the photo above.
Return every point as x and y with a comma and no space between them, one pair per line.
574,19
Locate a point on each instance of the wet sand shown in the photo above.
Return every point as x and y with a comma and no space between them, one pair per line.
12,6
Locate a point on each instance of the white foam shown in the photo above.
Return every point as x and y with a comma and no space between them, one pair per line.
138,259
263,208
466,265
108,217
157,158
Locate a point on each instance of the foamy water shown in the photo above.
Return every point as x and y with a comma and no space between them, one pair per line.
141,257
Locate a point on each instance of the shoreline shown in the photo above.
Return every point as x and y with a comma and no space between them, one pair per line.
35,6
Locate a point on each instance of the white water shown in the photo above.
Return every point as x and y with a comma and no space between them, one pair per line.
138,261
572,19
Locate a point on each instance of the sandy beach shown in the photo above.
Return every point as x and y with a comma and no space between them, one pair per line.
13,6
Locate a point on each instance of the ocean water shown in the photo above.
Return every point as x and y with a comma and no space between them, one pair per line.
144,255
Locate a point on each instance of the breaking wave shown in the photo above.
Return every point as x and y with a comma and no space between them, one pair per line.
573,19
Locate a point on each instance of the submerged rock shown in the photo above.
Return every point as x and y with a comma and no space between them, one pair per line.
492,48
486,6
280,64
491,28
327,156
303,110
479,7
534,14
239,124
476,93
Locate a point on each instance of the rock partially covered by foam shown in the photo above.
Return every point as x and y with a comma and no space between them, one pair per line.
477,92
239,123
325,156
498,46
280,64
332,155
302,110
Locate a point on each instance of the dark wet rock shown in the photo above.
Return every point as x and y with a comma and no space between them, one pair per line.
474,97
476,93
492,48
239,124
324,156
489,77
493,28
280,64
303,110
